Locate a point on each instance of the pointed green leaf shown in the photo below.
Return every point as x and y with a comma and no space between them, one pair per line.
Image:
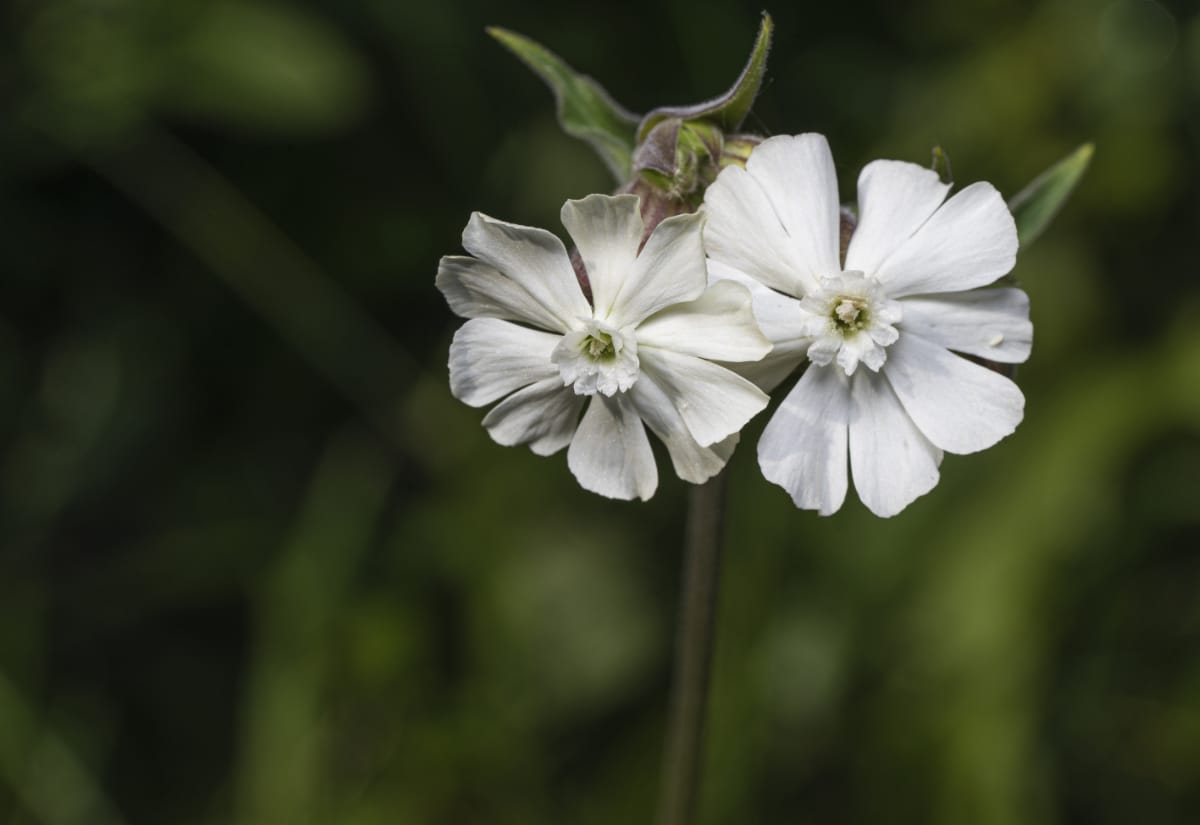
728,110
1037,204
584,109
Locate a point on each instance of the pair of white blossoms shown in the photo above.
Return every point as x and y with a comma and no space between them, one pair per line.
688,335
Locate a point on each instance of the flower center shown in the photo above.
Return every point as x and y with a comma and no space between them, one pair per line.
850,314
596,357
850,319
599,347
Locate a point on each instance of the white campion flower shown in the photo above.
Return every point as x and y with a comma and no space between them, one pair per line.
881,329
641,351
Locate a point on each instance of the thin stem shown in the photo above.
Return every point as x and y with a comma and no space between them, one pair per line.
693,653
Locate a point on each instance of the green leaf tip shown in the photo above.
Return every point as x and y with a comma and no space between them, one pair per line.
728,110
585,110
1036,205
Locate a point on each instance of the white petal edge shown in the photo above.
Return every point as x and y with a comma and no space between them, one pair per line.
892,462
894,199
781,320
969,242
607,231
490,358
803,447
610,453
720,325
798,176
474,289
959,406
670,269
743,231
535,259
713,401
542,415
690,461
991,323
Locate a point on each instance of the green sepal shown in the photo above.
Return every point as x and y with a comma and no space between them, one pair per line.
1036,205
726,111
680,158
585,110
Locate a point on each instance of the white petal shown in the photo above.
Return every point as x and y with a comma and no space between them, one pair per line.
796,172
610,453
892,462
713,401
670,269
719,324
607,231
490,358
474,289
991,323
894,199
691,461
744,231
803,448
542,415
959,406
781,320
535,259
971,241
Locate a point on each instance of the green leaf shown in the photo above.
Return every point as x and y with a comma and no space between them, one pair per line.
728,110
1037,204
584,109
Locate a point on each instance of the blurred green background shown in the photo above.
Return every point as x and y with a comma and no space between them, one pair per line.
258,566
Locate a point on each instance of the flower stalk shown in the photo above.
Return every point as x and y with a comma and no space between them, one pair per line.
694,638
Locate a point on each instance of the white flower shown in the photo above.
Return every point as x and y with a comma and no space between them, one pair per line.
640,352
880,329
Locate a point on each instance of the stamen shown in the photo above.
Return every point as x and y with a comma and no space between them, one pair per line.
599,346
849,313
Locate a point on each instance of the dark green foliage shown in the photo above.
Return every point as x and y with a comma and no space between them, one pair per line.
257,566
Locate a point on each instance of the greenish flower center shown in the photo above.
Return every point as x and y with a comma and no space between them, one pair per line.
599,346
850,314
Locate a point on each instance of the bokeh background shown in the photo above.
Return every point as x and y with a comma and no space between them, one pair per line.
258,567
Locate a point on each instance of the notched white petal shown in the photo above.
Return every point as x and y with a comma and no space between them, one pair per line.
991,323
719,325
712,401
969,242
533,258
490,358
892,462
610,453
542,415
670,269
797,174
803,448
959,406
743,231
894,199
474,289
607,231
691,462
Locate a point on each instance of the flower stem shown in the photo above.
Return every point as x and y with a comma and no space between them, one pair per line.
693,653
